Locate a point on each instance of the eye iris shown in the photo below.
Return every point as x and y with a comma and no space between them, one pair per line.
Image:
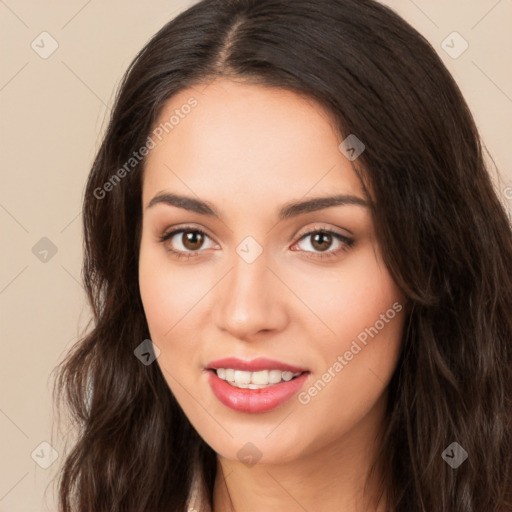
194,238
326,238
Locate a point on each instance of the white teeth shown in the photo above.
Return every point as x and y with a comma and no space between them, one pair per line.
254,380
274,376
242,377
261,377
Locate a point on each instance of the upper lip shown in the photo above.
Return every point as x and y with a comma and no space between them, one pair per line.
254,365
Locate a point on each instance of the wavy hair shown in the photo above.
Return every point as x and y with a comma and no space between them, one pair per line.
443,232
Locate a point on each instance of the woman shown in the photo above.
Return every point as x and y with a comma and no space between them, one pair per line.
300,276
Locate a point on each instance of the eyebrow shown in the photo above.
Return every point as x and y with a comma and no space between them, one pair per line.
288,210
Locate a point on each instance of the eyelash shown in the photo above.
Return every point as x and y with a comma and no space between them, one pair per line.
348,242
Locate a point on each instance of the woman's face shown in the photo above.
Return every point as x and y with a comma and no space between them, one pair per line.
262,281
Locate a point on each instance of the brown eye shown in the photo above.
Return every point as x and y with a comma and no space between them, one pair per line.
321,241
192,240
186,242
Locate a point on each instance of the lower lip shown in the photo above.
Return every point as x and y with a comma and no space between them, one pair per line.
254,400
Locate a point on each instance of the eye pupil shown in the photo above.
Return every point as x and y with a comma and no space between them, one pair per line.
318,238
194,238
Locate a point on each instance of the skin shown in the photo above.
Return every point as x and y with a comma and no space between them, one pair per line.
248,150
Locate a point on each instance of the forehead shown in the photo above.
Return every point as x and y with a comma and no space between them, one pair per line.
242,141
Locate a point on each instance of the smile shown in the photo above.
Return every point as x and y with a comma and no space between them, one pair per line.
255,398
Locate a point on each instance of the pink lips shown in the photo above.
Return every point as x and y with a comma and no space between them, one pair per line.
254,400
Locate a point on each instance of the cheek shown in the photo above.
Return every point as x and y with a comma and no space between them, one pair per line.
346,300
348,394
168,294
364,312
166,297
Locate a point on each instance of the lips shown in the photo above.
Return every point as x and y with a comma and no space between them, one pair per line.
255,365
255,400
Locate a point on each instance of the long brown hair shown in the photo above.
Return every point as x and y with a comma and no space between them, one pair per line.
443,232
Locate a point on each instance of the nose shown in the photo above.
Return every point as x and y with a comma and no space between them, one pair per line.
250,299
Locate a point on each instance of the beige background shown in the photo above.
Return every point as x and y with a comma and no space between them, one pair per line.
52,117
